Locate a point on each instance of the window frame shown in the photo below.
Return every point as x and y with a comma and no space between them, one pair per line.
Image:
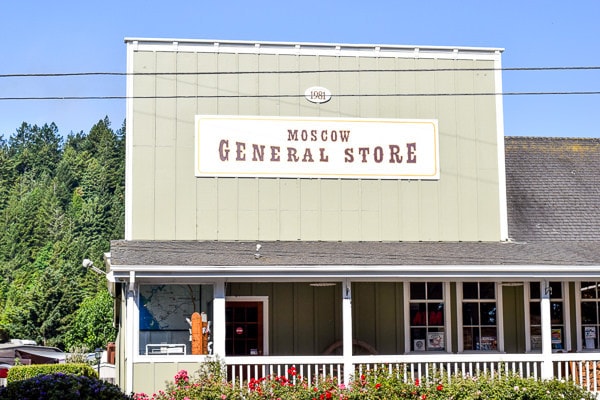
499,317
265,314
579,317
447,317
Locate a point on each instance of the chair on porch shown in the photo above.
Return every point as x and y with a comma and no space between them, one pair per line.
586,374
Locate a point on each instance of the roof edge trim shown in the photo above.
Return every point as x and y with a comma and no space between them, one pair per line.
307,47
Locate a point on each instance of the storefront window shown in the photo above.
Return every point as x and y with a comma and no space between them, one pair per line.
427,316
557,318
590,306
479,316
166,315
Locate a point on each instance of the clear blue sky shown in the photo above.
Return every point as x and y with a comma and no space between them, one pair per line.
83,36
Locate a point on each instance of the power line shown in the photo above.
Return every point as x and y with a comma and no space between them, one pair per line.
274,96
181,73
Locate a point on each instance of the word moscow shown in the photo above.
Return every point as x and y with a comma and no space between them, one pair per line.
259,146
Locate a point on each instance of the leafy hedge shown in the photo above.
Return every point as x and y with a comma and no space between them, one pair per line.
59,386
21,372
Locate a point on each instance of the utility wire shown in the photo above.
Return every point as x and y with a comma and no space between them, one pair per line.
178,73
274,96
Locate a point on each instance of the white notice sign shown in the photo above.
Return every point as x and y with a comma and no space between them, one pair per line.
246,146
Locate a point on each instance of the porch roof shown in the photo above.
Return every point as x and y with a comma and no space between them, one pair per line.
217,253
322,261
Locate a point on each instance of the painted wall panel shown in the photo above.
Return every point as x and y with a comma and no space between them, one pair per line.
332,82
185,185
288,84
166,105
377,315
514,319
248,84
144,193
227,208
390,209
462,205
144,131
165,193
368,83
207,203
228,84
268,84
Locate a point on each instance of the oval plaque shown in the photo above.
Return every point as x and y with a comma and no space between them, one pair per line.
317,94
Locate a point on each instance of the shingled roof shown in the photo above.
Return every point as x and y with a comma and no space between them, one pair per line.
553,188
553,201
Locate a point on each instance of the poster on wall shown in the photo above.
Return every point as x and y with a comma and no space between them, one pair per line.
435,341
296,147
590,337
590,332
166,306
488,343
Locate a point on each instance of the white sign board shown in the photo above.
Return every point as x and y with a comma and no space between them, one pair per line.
248,146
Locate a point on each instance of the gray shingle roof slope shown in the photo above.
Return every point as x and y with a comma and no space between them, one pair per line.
553,202
553,188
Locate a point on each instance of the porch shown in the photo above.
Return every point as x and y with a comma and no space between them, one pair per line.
534,319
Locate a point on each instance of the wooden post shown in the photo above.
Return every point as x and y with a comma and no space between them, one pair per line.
196,333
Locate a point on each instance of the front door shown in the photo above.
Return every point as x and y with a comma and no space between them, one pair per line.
244,328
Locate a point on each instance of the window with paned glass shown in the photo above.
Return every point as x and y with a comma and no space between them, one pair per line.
479,316
426,312
590,309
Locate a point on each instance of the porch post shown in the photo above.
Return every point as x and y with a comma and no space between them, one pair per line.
218,328
347,329
130,331
547,368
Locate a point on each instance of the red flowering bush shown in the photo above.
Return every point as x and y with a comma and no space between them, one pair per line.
211,383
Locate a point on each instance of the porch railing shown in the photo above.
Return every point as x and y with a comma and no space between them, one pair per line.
581,368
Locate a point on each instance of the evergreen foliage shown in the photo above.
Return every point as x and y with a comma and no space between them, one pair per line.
61,200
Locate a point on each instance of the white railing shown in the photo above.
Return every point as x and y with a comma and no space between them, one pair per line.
581,368
241,369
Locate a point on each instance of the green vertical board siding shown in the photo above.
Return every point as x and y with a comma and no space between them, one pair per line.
514,319
377,315
168,202
185,183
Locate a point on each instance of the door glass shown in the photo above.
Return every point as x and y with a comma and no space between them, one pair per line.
244,328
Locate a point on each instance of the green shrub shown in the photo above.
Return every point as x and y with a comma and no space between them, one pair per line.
60,386
20,372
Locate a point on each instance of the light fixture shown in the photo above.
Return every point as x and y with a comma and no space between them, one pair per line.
87,263
322,284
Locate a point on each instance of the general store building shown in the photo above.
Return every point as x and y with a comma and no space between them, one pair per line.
335,206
